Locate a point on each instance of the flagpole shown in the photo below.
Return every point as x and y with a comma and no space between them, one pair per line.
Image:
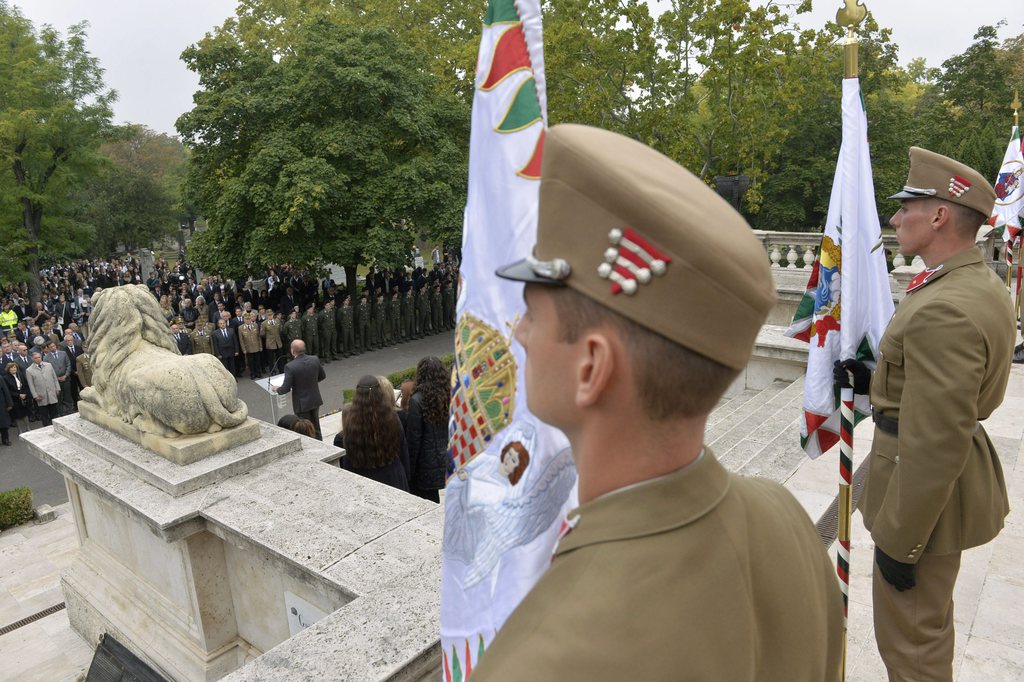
1009,245
850,16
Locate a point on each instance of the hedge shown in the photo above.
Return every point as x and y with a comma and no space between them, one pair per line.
15,507
396,378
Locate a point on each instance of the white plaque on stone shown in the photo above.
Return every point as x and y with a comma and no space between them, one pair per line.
301,614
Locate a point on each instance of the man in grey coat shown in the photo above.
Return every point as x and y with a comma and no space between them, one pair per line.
45,389
303,374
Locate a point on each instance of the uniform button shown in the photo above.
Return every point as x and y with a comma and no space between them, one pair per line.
910,556
897,459
917,546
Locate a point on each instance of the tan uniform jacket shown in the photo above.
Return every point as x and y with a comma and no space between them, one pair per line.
944,363
83,363
202,341
271,333
249,338
699,575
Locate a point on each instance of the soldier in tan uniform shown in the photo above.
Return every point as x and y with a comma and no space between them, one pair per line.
271,333
645,293
249,339
84,365
201,338
935,485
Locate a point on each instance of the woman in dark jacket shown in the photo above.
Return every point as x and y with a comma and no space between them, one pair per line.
6,410
427,428
372,436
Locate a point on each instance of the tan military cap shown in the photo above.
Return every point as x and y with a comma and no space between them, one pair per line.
940,177
638,233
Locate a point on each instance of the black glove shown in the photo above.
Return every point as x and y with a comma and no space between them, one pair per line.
896,573
861,375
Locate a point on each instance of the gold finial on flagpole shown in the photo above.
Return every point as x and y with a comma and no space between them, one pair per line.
851,15
1016,108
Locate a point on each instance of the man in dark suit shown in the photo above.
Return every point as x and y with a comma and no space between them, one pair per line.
70,346
303,374
225,345
181,339
63,366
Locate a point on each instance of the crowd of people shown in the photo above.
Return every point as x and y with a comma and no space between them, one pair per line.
248,326
399,438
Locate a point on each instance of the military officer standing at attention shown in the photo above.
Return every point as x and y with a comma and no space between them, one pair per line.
395,319
635,326
272,346
310,330
935,486
363,323
292,328
249,340
346,328
201,341
328,336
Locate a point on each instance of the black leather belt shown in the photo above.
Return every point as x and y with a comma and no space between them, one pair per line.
886,424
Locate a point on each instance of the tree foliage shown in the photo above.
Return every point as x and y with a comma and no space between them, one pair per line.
55,113
337,149
137,200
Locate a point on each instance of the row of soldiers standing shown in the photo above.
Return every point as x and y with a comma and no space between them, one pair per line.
340,329
337,329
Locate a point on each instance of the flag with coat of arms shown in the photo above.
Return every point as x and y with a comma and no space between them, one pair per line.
1009,187
514,480
848,302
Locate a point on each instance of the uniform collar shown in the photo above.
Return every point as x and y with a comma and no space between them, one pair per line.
967,257
656,506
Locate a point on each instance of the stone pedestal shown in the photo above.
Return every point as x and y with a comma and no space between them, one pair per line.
261,554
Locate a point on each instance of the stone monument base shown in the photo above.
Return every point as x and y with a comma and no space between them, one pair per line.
182,450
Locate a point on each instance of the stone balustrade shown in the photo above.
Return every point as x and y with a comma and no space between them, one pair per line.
797,250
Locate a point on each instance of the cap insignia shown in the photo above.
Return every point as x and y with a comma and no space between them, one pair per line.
631,261
958,186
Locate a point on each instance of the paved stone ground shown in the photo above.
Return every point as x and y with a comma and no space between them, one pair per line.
989,595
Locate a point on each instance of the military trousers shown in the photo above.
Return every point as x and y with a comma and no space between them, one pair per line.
347,341
914,628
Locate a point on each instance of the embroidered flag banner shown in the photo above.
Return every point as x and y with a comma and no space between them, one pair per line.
1009,186
514,479
845,272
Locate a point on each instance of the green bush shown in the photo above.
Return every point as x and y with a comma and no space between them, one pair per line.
396,378
15,507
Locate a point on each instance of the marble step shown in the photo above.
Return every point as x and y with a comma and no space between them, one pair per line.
726,432
729,406
771,449
739,446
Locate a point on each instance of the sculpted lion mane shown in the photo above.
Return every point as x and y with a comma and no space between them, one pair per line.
140,377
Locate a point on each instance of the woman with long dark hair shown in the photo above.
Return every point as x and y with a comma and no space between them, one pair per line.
427,428
372,436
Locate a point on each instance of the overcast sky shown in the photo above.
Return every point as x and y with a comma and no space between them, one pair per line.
139,42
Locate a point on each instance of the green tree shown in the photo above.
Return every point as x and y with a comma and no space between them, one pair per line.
135,201
55,113
336,149
966,114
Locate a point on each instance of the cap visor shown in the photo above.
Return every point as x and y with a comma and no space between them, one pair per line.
520,271
911,195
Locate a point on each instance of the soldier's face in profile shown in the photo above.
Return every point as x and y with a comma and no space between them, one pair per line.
913,222
550,362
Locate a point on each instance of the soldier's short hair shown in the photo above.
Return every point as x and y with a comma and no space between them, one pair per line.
672,381
967,220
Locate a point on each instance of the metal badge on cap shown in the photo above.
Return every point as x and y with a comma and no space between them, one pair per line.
632,263
557,269
958,186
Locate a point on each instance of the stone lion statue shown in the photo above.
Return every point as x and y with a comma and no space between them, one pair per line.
140,377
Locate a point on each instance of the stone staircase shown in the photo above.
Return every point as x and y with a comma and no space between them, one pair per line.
756,432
